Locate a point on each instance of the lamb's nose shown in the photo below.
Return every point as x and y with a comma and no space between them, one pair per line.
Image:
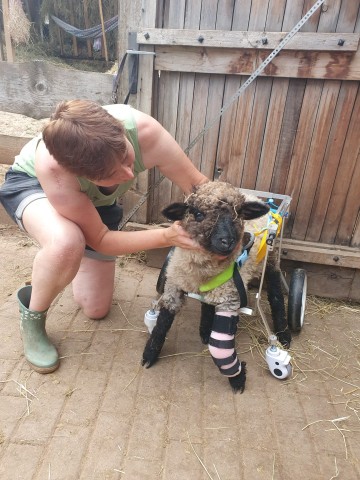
227,242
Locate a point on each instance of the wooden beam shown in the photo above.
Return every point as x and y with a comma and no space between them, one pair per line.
10,54
320,253
143,103
87,25
290,64
103,31
327,281
34,88
11,146
329,42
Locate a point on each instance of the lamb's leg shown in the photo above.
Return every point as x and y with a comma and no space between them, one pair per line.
277,304
206,322
157,338
222,350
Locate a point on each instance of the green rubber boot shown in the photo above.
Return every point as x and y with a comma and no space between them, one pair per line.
39,351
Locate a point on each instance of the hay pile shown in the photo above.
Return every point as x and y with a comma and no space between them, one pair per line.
19,24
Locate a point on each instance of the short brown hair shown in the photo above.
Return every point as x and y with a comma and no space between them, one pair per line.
85,139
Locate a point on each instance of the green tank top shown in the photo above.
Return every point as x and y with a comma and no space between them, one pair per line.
25,161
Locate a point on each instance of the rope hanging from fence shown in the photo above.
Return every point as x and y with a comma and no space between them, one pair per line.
92,32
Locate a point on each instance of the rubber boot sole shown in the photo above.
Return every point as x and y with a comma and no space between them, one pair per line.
44,370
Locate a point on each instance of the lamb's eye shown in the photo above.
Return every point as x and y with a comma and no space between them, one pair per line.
199,217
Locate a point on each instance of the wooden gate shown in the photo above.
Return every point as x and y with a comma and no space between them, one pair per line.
295,130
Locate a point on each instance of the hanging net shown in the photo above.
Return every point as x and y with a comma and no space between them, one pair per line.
92,32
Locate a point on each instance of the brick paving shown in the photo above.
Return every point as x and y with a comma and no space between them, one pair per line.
103,416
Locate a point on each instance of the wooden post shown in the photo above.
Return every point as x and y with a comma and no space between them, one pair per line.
74,39
10,54
87,25
103,31
1,50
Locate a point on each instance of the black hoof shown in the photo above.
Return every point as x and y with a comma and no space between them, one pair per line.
284,338
151,353
238,383
205,338
148,359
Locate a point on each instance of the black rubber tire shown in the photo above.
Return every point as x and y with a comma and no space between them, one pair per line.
160,285
297,299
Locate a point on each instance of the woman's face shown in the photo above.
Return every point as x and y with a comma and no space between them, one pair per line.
123,171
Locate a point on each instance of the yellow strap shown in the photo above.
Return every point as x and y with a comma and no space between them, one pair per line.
277,220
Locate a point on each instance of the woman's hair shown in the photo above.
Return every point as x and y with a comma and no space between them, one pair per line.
85,139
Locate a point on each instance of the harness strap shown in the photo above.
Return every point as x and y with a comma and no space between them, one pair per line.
240,287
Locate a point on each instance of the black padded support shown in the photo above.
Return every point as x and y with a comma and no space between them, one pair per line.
220,362
223,324
222,343
232,370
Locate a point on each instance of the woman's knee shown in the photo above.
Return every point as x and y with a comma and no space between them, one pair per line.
93,287
66,247
94,308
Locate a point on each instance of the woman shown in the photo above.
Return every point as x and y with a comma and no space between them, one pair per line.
62,190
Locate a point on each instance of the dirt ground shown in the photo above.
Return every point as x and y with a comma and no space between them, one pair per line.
102,416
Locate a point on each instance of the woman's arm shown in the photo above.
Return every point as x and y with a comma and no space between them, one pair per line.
63,192
159,149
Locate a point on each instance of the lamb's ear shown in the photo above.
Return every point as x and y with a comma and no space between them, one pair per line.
253,209
175,211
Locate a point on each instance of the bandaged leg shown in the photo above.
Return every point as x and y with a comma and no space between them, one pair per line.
222,343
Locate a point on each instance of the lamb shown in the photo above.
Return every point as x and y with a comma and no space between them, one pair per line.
216,214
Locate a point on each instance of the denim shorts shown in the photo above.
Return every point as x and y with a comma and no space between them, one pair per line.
19,190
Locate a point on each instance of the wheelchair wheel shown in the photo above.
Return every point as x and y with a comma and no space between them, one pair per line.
160,285
297,299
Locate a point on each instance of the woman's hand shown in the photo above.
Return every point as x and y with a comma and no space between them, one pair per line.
176,236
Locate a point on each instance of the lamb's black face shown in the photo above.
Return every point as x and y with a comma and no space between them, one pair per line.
214,215
217,230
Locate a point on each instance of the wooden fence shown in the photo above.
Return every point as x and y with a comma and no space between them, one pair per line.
295,130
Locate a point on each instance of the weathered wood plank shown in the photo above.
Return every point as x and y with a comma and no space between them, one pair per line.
257,122
227,126
317,149
321,253
351,213
285,158
240,21
34,88
331,162
325,280
296,64
174,15
11,146
354,293
284,110
237,156
129,19
272,18
144,103
10,51
272,134
327,42
291,171
222,21
344,174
